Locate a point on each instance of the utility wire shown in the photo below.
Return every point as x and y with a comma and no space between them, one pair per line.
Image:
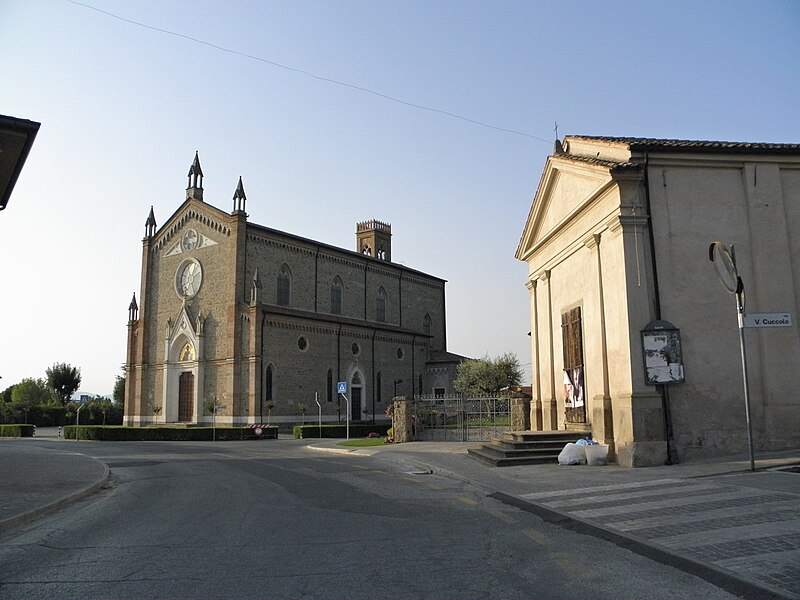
309,74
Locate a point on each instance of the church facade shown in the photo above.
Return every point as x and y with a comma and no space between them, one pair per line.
633,338
263,324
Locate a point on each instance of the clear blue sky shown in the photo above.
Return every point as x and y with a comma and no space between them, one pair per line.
124,107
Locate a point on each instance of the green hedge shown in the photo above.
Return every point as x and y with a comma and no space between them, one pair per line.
16,430
169,434
303,432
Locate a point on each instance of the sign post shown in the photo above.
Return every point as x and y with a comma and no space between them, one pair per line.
724,260
341,387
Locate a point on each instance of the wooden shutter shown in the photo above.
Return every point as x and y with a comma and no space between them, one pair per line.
571,335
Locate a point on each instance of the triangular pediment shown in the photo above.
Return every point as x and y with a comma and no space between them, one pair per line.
175,237
565,188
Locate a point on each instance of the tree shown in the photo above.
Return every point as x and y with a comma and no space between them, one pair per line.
32,392
64,379
5,395
27,395
487,375
119,390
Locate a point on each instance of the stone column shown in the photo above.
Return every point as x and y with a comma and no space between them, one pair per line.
520,412
550,404
401,419
602,407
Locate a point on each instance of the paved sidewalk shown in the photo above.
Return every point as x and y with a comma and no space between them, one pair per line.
38,480
713,518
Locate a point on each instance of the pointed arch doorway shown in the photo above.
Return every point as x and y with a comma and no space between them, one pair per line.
186,396
356,395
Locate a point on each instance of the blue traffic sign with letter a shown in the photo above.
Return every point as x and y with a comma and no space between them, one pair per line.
341,387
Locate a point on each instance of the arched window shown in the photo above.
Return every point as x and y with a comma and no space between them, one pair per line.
284,286
330,385
187,352
336,296
378,387
427,325
380,305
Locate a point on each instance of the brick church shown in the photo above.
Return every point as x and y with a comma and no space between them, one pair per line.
264,322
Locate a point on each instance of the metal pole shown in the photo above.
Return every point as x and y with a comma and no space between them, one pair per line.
347,400
316,399
740,310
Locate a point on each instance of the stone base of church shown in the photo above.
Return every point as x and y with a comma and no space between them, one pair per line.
641,454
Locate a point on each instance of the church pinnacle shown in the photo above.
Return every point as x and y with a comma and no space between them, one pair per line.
195,187
239,199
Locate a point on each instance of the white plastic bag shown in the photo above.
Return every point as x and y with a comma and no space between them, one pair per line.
572,454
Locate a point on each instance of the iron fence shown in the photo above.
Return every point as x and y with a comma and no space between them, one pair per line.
461,418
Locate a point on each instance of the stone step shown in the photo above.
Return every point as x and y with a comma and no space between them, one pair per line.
526,447
485,454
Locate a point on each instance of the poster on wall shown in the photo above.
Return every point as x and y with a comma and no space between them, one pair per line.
663,359
573,387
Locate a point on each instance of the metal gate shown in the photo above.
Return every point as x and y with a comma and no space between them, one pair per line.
460,418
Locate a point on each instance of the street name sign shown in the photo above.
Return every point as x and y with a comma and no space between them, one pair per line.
767,320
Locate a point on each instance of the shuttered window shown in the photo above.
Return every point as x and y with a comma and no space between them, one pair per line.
571,333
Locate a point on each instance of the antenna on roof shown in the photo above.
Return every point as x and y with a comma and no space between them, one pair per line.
557,147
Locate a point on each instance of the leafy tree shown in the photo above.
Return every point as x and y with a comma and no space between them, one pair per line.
487,375
119,390
5,395
32,392
64,379
101,405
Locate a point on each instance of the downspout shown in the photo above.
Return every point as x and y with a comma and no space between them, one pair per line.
316,280
672,457
400,293
374,380
339,371
413,364
365,290
263,369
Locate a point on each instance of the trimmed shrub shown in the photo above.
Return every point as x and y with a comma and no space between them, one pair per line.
303,432
165,434
16,430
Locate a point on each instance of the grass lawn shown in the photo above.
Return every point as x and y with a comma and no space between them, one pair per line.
363,442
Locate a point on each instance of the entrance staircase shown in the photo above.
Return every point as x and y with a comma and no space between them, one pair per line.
525,447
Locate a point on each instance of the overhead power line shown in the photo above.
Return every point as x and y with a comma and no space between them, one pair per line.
310,74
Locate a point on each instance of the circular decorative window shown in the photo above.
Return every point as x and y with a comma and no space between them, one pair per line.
302,343
188,278
400,353
356,349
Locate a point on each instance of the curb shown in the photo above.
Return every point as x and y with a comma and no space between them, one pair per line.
12,522
730,582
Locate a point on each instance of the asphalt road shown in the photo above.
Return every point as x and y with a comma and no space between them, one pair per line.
275,520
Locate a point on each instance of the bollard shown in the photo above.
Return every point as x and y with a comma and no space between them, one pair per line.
59,432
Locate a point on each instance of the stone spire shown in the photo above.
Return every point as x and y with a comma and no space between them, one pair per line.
195,188
133,309
239,199
150,224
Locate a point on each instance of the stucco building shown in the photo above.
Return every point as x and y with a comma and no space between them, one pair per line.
262,320
618,238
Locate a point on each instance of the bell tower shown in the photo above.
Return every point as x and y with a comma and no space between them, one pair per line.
374,238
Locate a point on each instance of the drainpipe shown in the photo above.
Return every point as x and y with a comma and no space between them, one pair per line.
374,332
339,372
672,457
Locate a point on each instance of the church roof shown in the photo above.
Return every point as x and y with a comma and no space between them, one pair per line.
642,144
